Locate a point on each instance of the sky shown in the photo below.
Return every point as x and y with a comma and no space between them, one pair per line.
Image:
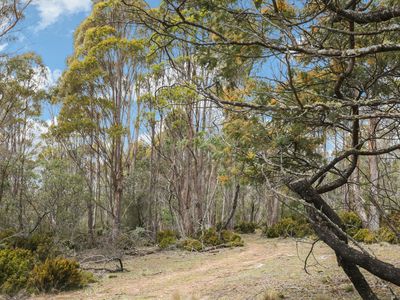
47,30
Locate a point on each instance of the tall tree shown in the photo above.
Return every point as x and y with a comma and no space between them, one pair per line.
335,56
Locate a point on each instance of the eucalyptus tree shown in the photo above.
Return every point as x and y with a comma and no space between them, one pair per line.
97,93
21,85
340,70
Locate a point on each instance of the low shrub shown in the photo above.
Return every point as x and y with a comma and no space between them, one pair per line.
58,274
366,236
385,234
166,238
289,227
351,221
6,237
125,242
15,266
246,227
231,238
42,244
191,245
210,237
167,242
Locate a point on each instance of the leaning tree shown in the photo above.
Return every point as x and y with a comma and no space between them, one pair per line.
317,67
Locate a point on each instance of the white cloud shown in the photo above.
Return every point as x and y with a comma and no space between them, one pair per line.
47,78
3,46
50,11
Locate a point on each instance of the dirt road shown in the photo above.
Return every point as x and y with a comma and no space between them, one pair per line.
261,267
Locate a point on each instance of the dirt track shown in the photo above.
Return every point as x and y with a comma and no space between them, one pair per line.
262,266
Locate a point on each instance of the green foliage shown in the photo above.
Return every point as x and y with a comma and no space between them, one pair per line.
191,245
385,234
245,227
351,221
58,274
41,244
6,237
231,238
211,237
289,227
15,265
166,238
366,236
167,242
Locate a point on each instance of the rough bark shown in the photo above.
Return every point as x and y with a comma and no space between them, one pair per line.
349,258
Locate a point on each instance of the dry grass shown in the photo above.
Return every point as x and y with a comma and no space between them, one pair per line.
263,269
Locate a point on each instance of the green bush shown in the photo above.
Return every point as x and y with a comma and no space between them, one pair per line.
191,245
58,274
365,235
6,237
15,266
246,227
289,227
166,238
231,238
42,244
210,237
167,242
351,221
385,234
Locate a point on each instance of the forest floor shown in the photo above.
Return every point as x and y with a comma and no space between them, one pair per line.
261,267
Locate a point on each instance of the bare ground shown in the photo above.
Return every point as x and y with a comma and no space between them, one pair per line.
262,266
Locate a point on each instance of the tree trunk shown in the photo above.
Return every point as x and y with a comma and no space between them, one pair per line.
374,215
349,258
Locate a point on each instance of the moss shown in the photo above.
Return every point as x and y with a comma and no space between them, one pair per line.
15,265
351,221
191,245
58,274
246,227
365,235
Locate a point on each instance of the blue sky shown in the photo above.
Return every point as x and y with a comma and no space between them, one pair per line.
48,30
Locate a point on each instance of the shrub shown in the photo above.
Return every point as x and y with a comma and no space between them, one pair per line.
58,274
210,237
231,238
42,244
191,245
6,237
351,221
288,227
246,227
387,235
15,265
166,238
125,242
365,235
167,242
